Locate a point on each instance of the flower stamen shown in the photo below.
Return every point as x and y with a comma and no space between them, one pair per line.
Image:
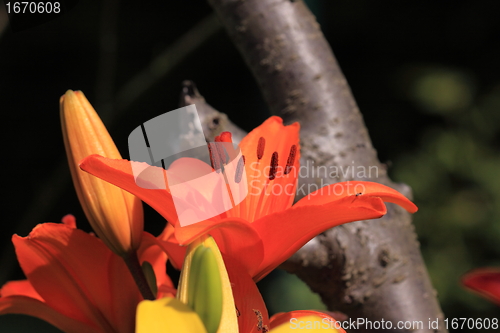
274,166
239,170
291,159
273,169
260,148
215,159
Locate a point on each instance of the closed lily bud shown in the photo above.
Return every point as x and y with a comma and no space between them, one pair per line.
205,287
115,215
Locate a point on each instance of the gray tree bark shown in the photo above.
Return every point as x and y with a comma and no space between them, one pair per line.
371,270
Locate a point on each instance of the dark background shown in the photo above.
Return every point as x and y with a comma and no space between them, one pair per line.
425,74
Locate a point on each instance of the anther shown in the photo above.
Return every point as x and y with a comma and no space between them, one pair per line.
260,320
221,153
214,156
260,147
274,166
239,170
291,159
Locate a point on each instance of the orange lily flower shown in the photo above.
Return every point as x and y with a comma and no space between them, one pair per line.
484,281
115,215
264,229
76,283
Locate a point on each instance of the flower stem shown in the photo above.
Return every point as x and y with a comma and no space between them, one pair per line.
133,265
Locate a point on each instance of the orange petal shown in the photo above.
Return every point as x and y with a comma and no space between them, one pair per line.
78,276
151,252
250,307
199,191
69,220
235,238
297,225
170,245
119,173
357,188
19,288
124,296
280,192
485,281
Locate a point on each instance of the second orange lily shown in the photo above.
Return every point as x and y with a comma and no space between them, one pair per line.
76,283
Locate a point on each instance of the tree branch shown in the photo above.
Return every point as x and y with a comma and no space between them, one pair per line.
371,270
213,122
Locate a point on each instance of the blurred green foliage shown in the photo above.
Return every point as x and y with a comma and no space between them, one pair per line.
454,175
285,292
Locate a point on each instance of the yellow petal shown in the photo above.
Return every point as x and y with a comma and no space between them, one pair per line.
167,315
115,215
307,324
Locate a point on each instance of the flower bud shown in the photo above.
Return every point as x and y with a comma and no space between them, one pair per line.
115,215
205,287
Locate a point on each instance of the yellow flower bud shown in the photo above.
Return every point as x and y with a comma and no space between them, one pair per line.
115,215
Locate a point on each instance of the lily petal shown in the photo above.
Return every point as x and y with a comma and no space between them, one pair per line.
235,238
250,307
186,169
297,225
485,281
19,288
358,188
65,256
152,253
78,277
280,139
167,315
119,173
170,245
